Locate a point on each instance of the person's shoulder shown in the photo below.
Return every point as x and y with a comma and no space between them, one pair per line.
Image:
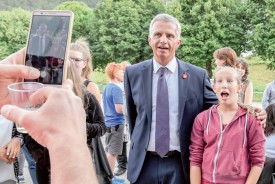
252,119
93,85
139,65
270,84
191,66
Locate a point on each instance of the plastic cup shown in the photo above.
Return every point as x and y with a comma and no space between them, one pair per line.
19,95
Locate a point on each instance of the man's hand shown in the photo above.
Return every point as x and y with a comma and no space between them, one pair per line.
261,115
12,70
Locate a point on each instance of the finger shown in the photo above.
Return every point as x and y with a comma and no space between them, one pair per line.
40,96
8,151
19,71
68,84
11,156
14,114
14,154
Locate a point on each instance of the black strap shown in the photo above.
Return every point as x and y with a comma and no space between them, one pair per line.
86,82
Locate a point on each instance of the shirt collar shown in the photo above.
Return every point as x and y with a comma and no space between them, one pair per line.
172,65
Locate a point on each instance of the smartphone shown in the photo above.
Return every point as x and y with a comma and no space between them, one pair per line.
48,45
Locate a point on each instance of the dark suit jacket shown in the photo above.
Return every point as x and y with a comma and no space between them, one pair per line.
195,95
34,46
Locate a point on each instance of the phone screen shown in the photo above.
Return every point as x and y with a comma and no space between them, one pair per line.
47,45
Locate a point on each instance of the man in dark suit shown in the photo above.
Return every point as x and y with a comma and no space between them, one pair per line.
189,93
41,43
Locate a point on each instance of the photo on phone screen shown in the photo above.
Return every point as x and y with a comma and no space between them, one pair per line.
49,36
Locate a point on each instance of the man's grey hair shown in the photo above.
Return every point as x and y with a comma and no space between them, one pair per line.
165,18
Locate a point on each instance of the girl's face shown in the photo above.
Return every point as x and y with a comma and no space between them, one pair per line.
241,69
226,87
219,62
77,58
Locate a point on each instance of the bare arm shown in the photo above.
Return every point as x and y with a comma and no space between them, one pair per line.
93,88
254,175
71,163
248,94
195,175
119,108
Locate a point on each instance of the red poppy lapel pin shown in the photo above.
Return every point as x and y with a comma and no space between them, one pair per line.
184,76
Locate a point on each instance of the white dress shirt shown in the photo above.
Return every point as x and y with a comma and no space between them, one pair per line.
171,76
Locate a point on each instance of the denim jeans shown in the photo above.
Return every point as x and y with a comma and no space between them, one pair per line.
31,163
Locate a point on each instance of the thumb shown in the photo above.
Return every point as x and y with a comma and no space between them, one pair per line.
20,71
14,114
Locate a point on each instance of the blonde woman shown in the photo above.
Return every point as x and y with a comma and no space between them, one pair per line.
80,54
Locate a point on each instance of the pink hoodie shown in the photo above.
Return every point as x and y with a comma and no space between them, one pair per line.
226,156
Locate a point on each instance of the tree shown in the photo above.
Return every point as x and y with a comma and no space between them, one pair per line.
14,26
263,32
115,35
83,17
208,25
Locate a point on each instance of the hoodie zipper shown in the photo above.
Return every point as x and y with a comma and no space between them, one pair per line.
219,146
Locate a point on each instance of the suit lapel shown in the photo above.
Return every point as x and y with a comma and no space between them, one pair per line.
147,78
184,78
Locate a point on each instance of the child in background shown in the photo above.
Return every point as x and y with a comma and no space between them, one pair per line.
246,94
227,143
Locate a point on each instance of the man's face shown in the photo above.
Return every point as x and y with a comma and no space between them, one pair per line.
43,30
164,41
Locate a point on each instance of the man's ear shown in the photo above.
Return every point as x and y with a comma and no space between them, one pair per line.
149,40
178,42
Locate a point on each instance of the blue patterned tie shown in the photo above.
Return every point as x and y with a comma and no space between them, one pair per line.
162,115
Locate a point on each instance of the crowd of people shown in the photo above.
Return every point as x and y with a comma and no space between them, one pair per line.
183,129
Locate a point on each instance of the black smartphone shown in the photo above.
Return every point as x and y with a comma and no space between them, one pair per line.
48,45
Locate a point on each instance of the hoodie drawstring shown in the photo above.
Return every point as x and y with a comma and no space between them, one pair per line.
209,118
245,127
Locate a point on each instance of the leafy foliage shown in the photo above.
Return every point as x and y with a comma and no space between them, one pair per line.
83,16
122,30
39,4
263,32
209,25
13,30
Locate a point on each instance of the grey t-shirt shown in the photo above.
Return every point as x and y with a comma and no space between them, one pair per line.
270,146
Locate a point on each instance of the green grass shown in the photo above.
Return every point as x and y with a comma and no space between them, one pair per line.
259,75
100,79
